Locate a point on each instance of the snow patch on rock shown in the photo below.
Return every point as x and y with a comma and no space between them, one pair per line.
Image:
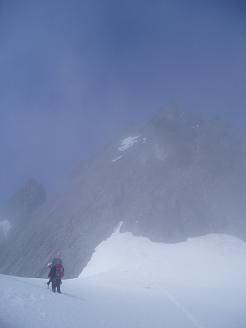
128,142
117,159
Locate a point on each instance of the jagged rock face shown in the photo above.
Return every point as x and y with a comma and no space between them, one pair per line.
177,177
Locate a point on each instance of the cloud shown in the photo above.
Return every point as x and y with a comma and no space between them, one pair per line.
81,70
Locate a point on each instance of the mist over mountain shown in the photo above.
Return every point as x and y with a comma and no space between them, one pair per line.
177,177
19,209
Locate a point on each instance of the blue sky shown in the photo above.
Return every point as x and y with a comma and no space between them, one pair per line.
74,73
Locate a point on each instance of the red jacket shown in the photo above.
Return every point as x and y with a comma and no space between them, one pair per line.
56,271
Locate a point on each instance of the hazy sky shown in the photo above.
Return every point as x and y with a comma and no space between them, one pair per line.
74,72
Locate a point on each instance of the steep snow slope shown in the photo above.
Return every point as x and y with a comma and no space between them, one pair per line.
211,260
132,282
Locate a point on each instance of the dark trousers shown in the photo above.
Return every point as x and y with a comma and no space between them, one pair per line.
56,284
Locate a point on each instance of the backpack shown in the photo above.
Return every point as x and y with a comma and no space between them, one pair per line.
59,270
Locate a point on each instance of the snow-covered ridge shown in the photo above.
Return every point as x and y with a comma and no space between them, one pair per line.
213,259
5,226
133,282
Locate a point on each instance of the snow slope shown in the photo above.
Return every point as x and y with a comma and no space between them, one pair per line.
134,283
210,260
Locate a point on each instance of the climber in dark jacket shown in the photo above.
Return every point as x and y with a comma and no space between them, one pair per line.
56,274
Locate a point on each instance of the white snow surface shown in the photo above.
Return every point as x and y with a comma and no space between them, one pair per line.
132,282
205,261
5,226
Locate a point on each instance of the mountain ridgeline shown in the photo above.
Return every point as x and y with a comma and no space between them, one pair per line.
175,178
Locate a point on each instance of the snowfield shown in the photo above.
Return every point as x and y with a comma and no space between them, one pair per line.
132,282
